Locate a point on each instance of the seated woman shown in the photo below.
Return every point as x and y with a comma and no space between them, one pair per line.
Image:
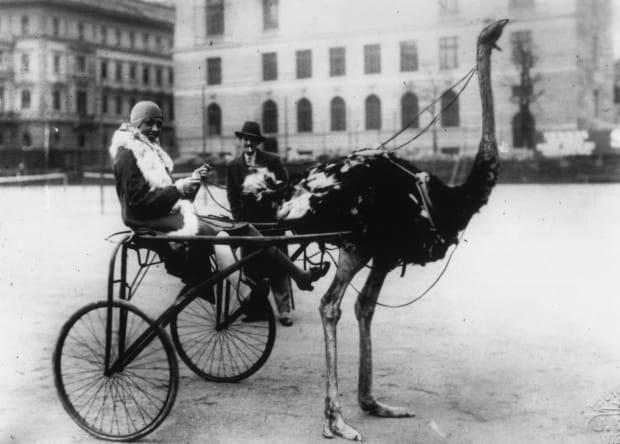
151,201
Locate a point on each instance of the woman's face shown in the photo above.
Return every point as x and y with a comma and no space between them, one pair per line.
151,127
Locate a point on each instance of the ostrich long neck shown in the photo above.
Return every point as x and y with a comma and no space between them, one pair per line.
483,175
486,95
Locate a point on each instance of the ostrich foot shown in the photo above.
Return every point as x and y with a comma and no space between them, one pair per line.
336,426
376,408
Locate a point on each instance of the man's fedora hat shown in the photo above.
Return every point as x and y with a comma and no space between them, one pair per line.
250,129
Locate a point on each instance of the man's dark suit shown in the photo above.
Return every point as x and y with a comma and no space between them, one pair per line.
248,210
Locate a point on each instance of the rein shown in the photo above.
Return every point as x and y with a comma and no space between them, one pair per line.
466,78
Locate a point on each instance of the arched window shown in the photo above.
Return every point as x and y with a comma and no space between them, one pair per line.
304,116
338,114
25,99
409,111
373,112
81,140
270,117
450,106
214,120
26,139
524,130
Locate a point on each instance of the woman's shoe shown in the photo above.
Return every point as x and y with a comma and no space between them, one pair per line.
315,273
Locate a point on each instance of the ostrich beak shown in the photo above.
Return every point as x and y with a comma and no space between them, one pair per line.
496,46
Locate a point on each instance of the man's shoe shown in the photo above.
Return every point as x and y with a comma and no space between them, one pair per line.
315,274
286,320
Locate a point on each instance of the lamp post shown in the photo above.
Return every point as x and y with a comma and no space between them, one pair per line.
204,122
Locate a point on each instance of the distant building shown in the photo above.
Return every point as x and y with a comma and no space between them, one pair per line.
70,70
331,76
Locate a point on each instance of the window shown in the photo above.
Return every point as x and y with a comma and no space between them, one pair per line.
337,65
170,76
338,114
25,62
214,120
1,99
146,70
104,35
448,7
104,104
1,138
56,64
158,76
171,110
304,116
270,14
26,138
270,117
215,17
409,111
81,140
132,71
521,44
55,26
80,28
80,103
132,102
448,52
104,69
56,100
119,36
119,105
408,56
304,64
158,44
373,112
145,41
26,99
270,66
214,71
119,71
372,59
132,39
80,64
450,106
25,25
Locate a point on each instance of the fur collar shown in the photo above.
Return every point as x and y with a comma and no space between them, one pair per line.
154,163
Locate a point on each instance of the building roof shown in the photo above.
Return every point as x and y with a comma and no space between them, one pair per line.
134,10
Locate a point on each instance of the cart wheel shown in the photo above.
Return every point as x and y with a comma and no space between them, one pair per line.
214,342
126,405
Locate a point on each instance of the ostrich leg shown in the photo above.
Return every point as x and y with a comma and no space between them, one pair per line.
351,261
364,310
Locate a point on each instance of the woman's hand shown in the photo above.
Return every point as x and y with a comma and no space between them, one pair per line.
202,172
188,187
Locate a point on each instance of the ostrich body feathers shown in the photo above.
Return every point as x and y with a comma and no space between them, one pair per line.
381,199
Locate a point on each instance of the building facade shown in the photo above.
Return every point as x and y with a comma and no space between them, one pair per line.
70,71
328,77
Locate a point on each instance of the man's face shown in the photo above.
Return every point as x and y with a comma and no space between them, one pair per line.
151,127
249,144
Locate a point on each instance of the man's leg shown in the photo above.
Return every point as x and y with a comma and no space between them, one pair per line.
282,291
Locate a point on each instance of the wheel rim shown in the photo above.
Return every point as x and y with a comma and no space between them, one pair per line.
125,405
223,355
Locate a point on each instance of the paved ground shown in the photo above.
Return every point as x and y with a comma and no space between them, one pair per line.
513,345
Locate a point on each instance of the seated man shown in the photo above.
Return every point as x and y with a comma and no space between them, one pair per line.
152,201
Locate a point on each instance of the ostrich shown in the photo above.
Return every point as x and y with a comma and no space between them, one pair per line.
398,215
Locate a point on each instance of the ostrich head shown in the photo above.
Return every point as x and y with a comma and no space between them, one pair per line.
491,34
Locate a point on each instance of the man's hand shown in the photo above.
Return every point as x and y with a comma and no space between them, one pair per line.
188,187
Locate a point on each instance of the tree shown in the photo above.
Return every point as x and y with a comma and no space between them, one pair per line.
524,94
